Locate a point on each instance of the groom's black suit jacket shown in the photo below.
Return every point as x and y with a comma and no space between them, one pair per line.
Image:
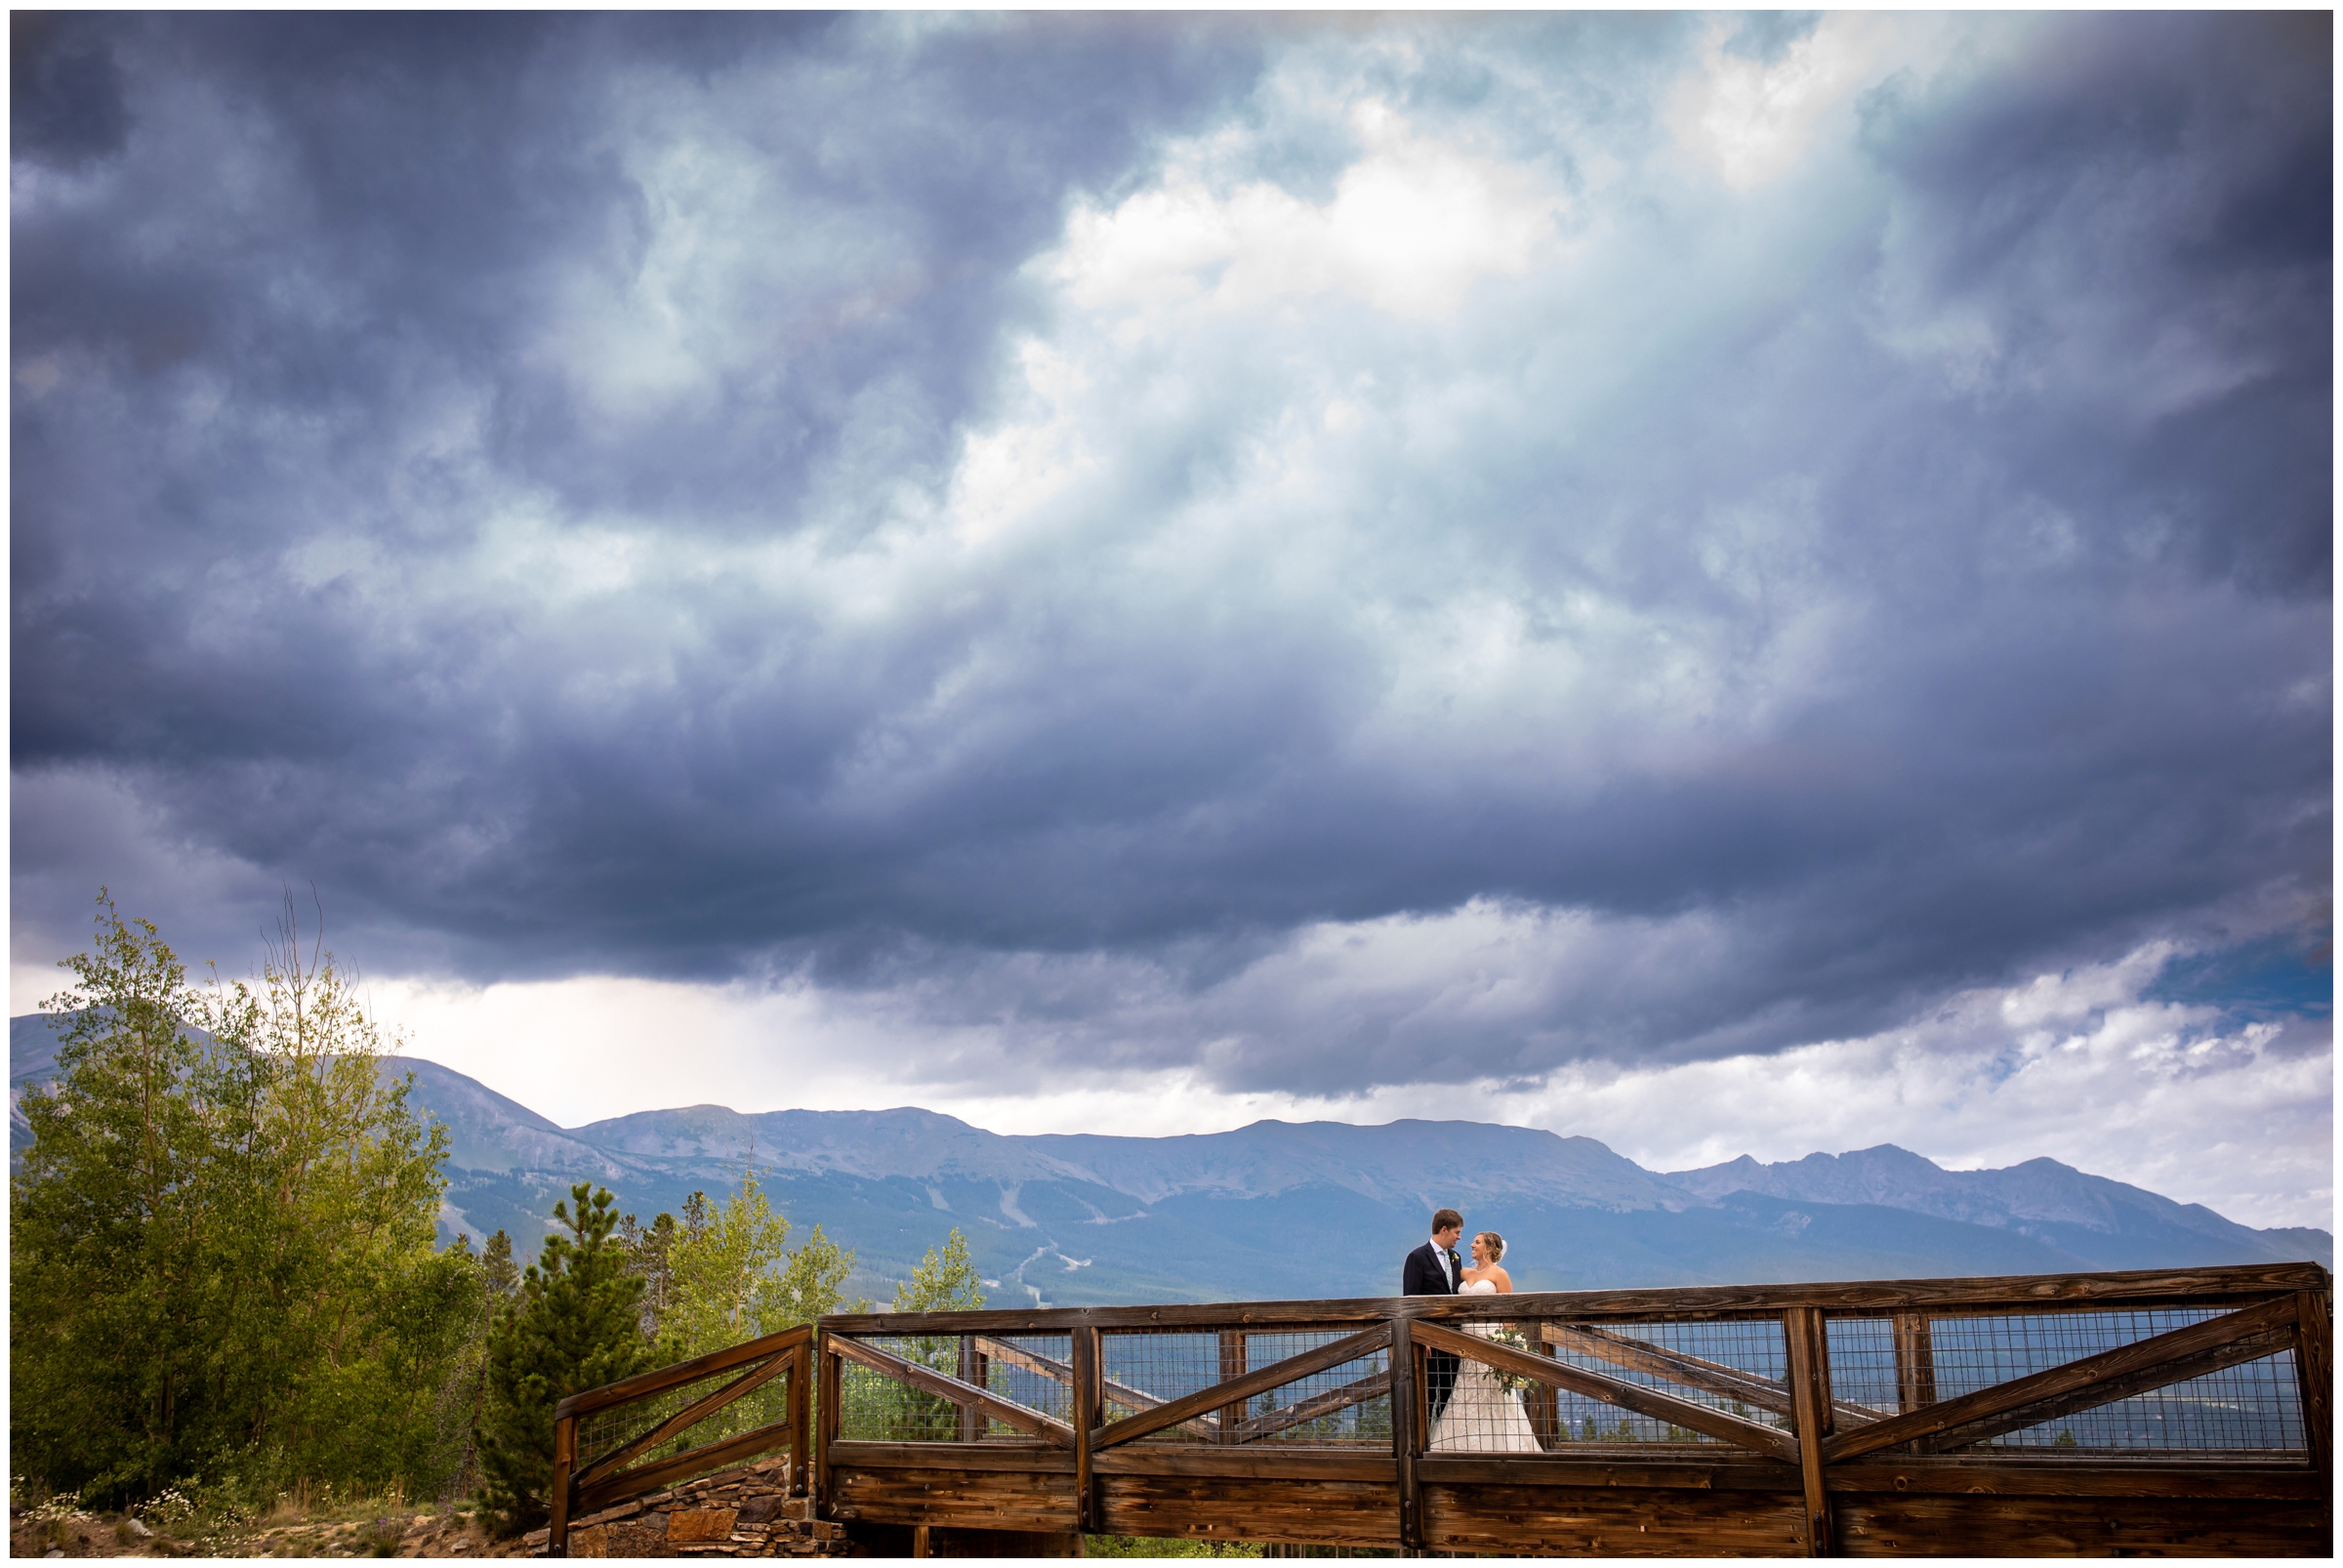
1422,1275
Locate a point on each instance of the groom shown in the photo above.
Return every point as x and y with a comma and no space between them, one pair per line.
1434,1269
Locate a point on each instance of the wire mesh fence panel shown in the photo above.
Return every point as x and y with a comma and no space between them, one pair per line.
1734,1367
604,1430
2254,1408
1346,1406
2249,1410
1977,1352
1866,1368
1142,1371
875,1407
1030,1370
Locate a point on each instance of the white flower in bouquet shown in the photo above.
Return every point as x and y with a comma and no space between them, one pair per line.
1511,1337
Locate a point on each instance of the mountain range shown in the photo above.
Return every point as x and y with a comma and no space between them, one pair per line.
1282,1210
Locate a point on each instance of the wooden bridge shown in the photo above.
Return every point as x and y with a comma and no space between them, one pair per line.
2170,1411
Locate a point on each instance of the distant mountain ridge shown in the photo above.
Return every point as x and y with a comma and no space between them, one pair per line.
2040,1198
1263,1160
2037,1196
1284,1209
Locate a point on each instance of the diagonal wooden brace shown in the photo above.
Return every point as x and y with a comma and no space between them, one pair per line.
1001,1351
693,1462
2237,1352
1356,1392
1717,1423
2115,1369
1711,1376
689,1415
1206,1400
929,1380
660,1378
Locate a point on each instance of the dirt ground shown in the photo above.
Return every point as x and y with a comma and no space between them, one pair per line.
418,1535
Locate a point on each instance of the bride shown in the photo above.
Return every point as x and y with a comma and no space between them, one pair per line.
1482,1415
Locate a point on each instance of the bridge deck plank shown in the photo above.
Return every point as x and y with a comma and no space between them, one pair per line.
1938,1524
1610,1522
963,1499
1271,1508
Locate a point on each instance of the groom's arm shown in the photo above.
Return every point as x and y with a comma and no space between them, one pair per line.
1411,1280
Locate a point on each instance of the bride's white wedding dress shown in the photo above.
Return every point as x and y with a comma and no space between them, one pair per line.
1480,1417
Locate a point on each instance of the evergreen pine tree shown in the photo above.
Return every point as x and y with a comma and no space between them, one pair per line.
649,1251
497,1268
574,1325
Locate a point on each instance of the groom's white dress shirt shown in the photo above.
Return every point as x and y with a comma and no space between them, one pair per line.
1447,1273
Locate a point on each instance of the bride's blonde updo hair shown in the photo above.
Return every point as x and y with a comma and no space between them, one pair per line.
1494,1242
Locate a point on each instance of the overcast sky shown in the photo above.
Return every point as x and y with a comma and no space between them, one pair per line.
1727,584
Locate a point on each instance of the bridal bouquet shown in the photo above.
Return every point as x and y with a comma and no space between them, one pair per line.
1510,1338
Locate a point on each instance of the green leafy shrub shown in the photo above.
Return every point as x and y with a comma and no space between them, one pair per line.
221,1239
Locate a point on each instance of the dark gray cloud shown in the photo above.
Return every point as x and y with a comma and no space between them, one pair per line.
64,93
529,478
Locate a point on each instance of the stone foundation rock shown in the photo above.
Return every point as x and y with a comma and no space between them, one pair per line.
742,1512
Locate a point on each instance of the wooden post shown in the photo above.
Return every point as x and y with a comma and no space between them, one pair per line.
1087,1390
565,1461
972,1370
1406,1393
1234,1348
1916,1362
1810,1411
1547,1401
1916,1365
826,1420
2315,1371
1424,1393
801,1426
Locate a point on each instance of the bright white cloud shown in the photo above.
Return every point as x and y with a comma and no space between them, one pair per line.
2077,1067
1411,228
1754,116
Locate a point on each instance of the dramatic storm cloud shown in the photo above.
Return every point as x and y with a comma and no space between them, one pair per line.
1296,557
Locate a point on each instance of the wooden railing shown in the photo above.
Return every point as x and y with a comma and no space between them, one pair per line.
632,1428
1934,1416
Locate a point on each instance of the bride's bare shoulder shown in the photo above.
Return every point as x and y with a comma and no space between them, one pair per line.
1505,1280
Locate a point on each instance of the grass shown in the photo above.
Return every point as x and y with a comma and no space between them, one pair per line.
1165,1546
309,1519
316,1522
1171,1547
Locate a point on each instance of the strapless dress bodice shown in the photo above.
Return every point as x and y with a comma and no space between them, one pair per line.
1478,1287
